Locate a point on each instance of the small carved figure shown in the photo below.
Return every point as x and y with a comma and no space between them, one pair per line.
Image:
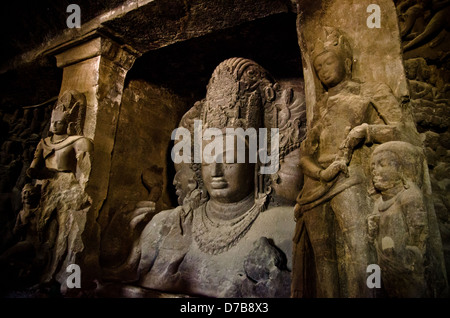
26,217
398,226
25,226
28,254
420,79
436,28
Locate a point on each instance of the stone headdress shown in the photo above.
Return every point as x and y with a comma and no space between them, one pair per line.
236,95
332,40
71,106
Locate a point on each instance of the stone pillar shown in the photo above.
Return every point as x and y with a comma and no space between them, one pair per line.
97,68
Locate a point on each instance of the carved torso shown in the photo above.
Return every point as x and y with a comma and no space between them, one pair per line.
341,111
178,264
60,157
402,235
403,220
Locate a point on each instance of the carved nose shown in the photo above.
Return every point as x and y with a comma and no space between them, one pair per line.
217,170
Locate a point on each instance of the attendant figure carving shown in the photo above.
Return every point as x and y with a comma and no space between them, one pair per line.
348,117
62,162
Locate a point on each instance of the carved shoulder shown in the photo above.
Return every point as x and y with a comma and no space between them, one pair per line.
384,101
413,207
412,196
84,145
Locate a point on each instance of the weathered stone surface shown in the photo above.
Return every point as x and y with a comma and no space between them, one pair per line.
264,268
179,20
425,50
147,117
101,78
342,88
424,28
20,134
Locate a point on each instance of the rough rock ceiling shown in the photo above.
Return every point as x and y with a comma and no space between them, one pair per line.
186,67
26,24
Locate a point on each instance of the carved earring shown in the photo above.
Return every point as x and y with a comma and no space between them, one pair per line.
270,94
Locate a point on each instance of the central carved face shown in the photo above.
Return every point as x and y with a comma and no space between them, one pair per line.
58,124
385,171
228,182
330,69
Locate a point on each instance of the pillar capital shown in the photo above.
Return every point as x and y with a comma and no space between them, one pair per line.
121,55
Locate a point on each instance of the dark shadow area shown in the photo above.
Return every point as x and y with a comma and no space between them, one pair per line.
185,67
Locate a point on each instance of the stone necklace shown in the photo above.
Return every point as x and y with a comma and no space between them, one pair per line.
59,141
215,236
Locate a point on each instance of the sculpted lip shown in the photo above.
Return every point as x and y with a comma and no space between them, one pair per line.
218,183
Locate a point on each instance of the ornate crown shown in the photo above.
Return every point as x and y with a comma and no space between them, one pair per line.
71,106
332,40
236,95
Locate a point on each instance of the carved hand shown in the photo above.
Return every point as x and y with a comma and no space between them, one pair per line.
333,170
142,215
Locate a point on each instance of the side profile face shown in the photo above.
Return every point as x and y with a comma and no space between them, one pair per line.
228,182
184,182
330,69
58,124
385,171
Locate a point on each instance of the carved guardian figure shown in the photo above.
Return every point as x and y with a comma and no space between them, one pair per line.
62,163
